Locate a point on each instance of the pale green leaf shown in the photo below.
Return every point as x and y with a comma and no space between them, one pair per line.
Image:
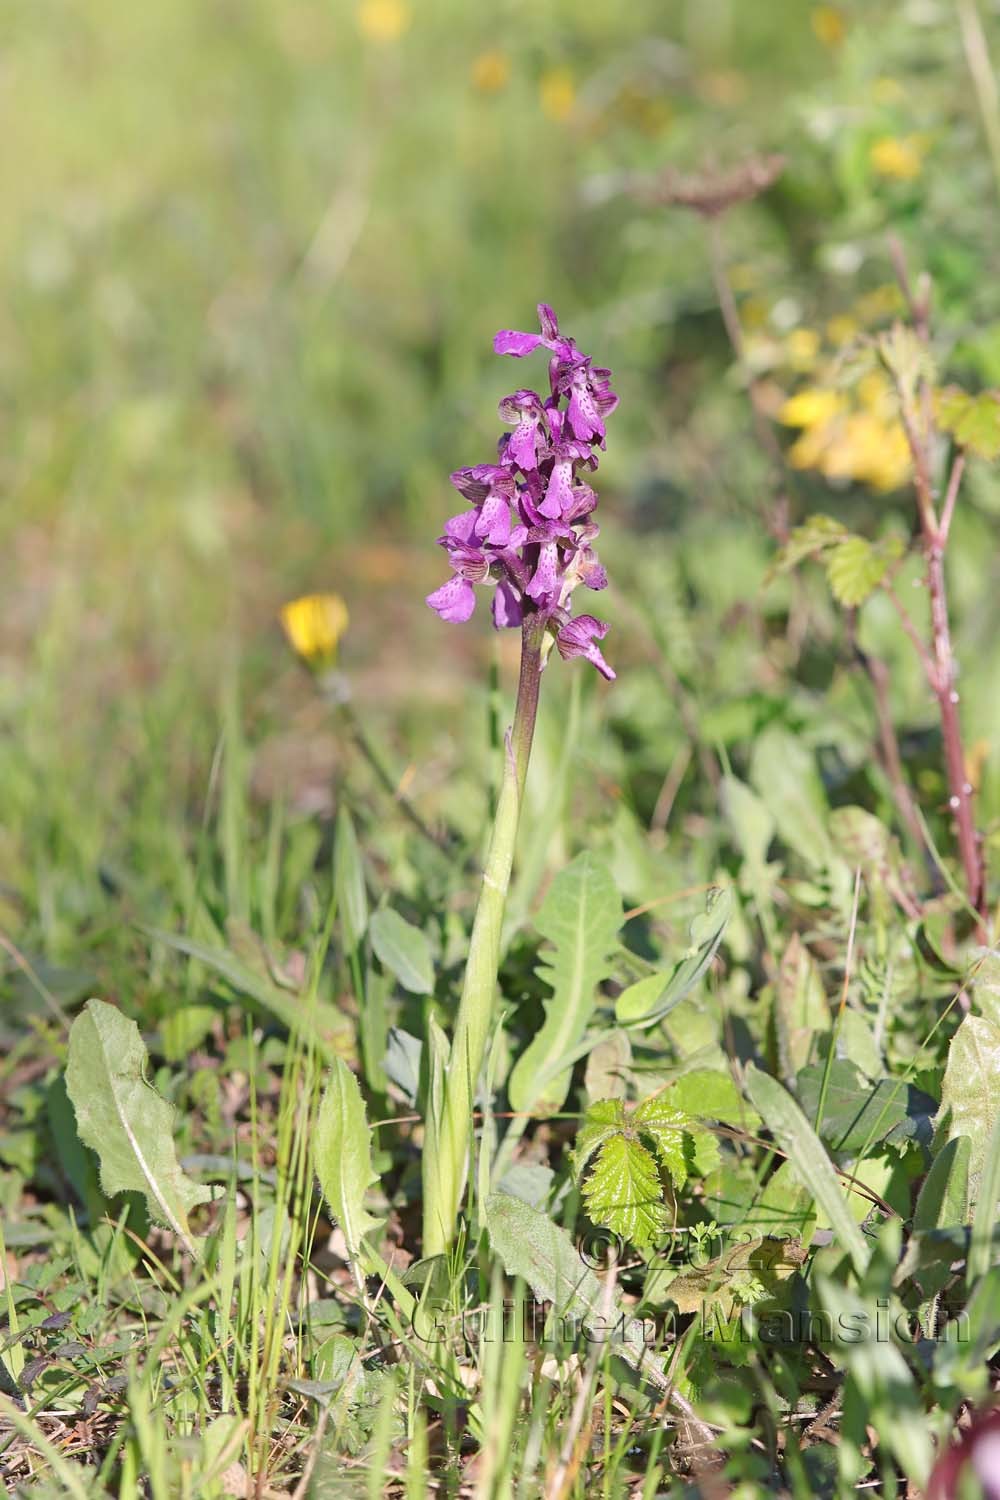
343,1155
624,1192
403,950
580,918
530,1245
973,421
122,1117
810,539
801,1013
784,772
855,567
659,1120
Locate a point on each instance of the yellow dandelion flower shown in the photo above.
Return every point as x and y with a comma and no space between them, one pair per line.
557,93
898,157
802,348
490,72
383,20
813,407
842,329
314,625
829,25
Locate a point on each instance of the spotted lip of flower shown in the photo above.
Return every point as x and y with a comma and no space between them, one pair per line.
528,530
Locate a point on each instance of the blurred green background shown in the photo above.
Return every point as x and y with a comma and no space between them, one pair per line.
253,255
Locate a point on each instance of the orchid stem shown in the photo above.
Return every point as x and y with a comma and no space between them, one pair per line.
447,1141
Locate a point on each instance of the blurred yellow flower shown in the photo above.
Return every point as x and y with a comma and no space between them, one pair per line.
887,90
802,348
812,407
314,625
490,72
828,24
899,157
557,93
842,329
383,20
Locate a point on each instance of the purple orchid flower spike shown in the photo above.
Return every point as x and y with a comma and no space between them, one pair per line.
529,530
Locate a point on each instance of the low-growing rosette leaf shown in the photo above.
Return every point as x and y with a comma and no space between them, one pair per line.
122,1117
580,918
628,1155
344,1156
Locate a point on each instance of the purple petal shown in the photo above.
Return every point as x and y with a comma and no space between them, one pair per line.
545,577
506,606
523,446
548,322
559,493
584,418
494,520
454,600
460,530
507,341
577,638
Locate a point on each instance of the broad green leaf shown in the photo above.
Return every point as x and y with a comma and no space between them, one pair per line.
580,918
857,1113
343,1155
646,1003
855,567
533,1247
784,772
809,1161
970,1092
709,1094
801,1013
624,1192
349,883
973,421
122,1117
403,949
660,1121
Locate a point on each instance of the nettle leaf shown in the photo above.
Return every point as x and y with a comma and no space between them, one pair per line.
624,1192
580,918
403,950
122,1117
647,1002
344,1155
628,1154
855,567
907,359
973,421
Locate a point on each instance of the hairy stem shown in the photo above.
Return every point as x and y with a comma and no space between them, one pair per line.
446,1146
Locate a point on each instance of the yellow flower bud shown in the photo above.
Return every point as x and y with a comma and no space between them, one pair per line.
899,157
314,625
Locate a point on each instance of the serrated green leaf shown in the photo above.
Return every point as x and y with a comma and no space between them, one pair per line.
343,1155
855,567
603,1118
403,949
643,1004
349,883
973,421
907,358
665,1126
580,918
122,1117
624,1192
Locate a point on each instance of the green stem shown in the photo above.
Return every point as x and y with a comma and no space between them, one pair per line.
446,1146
